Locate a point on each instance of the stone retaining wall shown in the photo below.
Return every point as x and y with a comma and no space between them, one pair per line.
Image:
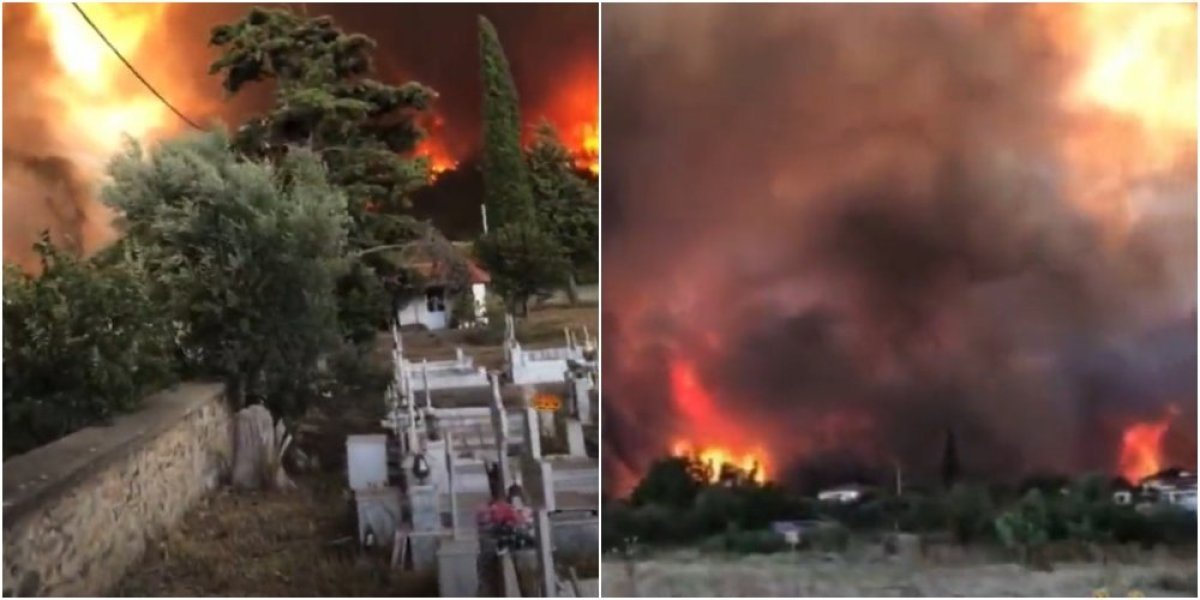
78,512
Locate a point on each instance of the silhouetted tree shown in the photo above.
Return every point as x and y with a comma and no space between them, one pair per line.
950,467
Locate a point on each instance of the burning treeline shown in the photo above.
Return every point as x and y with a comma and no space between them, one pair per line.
68,101
835,233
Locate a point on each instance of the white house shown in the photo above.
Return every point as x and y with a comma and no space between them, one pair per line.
433,309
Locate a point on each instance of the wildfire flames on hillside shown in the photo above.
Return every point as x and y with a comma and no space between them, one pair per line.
69,102
834,233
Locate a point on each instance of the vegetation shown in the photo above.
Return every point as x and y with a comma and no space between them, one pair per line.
363,130
246,257
270,259
524,257
675,504
82,341
566,203
506,190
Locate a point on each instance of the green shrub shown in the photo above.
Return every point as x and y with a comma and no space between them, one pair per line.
83,341
755,542
970,513
1023,527
924,513
828,537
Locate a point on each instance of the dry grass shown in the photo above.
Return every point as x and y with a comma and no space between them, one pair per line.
298,543
272,544
686,573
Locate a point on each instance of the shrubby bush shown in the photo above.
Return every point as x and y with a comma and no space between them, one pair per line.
83,341
246,256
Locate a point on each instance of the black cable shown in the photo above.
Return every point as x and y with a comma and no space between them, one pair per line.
131,69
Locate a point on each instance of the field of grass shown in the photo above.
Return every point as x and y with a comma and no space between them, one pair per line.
689,573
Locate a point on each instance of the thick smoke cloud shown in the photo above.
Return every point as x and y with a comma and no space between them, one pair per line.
869,210
548,46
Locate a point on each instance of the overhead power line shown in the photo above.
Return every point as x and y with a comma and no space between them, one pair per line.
131,68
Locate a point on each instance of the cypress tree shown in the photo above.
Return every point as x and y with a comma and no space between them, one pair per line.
950,460
506,189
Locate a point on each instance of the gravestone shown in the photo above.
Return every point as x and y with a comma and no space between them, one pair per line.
500,428
435,453
259,446
458,573
427,524
580,389
425,383
575,441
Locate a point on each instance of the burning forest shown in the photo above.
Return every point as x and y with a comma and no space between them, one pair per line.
835,233
69,101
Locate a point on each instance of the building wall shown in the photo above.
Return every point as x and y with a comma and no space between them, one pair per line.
416,312
78,512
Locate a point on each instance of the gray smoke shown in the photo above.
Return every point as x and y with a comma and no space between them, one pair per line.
867,207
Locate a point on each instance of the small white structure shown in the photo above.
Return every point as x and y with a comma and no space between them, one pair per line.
846,494
366,458
432,309
545,365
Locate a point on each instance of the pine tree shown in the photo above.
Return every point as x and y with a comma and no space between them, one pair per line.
507,192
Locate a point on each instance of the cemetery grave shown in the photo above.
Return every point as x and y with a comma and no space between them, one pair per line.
430,488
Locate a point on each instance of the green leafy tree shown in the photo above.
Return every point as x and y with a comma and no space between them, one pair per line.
1023,528
83,341
566,203
524,261
506,190
245,255
673,481
364,131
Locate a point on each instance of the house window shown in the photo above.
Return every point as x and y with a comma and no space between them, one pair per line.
435,300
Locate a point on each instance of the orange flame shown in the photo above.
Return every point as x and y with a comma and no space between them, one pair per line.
753,464
575,113
1141,447
102,102
725,443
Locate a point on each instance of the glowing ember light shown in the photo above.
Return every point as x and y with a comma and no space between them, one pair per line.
752,464
1141,447
101,100
588,148
1143,62
703,419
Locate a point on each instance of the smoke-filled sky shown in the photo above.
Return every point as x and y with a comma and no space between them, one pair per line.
67,99
834,233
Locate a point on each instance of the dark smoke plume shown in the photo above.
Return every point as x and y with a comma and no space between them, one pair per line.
869,209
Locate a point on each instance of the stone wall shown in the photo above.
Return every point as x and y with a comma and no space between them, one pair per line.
78,512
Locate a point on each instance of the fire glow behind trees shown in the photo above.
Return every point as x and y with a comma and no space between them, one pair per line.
68,99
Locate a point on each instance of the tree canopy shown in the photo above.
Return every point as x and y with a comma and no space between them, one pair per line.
83,341
364,131
567,204
245,255
507,193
